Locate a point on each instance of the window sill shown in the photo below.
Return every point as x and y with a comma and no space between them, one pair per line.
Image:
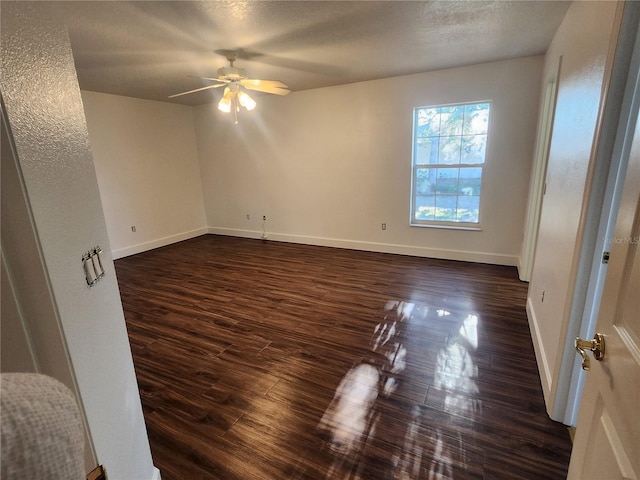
470,228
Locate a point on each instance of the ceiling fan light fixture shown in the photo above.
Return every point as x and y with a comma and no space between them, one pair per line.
233,79
246,101
224,105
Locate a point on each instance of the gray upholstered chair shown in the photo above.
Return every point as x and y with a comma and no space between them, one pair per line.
41,430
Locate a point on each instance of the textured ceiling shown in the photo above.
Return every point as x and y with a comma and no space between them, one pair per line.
152,49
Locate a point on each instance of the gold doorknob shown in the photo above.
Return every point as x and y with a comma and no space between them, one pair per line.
596,346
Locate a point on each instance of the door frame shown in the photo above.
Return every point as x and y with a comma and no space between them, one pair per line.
617,124
539,175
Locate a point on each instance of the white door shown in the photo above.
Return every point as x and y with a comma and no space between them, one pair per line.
607,443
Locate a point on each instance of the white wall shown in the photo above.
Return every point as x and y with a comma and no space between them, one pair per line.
146,162
328,166
31,336
44,110
583,41
16,350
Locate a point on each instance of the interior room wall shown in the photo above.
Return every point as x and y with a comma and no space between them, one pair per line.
583,41
65,219
328,166
146,161
15,349
16,352
31,337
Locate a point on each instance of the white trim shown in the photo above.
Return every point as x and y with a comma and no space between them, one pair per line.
475,227
445,254
520,267
546,376
156,474
538,176
616,138
160,242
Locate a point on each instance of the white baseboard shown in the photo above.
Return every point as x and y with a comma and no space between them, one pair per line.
445,254
157,243
156,474
546,377
523,274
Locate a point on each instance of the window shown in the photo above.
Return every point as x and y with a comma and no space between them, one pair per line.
449,147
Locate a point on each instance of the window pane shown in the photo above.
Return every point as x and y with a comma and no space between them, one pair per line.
476,118
474,148
468,209
447,182
426,152
451,120
425,181
470,181
449,150
446,208
428,122
425,207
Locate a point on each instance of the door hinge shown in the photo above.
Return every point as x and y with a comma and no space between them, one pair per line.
605,257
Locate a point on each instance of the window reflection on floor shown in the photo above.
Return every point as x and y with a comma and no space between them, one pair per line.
373,398
455,370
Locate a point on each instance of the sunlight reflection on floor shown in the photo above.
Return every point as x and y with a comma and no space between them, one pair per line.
355,420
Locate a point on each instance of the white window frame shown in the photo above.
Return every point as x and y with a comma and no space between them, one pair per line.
432,223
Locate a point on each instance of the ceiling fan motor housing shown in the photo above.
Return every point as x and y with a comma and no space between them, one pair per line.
232,73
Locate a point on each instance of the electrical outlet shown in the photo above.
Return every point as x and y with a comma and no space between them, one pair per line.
264,218
133,228
248,217
384,226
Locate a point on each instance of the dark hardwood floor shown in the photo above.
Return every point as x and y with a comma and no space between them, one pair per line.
266,360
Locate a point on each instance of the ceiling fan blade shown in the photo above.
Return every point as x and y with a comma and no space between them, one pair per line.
222,80
196,90
246,82
268,86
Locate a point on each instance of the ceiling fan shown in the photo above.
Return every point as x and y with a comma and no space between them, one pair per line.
235,80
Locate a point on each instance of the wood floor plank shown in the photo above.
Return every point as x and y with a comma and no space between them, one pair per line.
268,360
